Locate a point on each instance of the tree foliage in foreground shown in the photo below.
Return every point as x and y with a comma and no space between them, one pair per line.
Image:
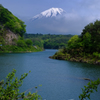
89,89
9,90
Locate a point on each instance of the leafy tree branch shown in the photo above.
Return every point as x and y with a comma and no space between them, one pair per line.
9,90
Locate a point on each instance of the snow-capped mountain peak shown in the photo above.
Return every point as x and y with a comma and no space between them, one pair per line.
52,12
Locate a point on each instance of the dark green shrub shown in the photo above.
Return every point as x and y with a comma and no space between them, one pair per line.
29,42
21,43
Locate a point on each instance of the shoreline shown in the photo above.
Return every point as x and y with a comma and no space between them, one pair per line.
19,52
38,50
16,49
76,59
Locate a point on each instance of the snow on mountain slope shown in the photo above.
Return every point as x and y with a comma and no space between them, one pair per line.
52,12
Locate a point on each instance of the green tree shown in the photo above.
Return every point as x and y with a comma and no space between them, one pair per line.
29,42
21,43
91,86
72,43
87,46
94,30
9,90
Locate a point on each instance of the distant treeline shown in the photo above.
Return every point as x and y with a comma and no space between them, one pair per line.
49,41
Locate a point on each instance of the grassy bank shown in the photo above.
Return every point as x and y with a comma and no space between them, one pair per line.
16,49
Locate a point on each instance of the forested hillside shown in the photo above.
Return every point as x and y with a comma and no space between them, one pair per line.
9,21
12,31
49,41
84,48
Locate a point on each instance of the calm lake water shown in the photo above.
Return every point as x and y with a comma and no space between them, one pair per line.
61,80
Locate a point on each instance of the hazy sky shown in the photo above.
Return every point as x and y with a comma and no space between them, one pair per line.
80,11
33,7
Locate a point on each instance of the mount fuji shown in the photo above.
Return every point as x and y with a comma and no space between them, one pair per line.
48,21
53,21
52,12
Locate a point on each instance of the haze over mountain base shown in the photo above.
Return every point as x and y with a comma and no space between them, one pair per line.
55,21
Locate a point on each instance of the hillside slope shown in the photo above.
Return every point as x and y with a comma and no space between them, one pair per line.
10,26
12,31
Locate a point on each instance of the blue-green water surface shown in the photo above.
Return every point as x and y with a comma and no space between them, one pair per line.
61,80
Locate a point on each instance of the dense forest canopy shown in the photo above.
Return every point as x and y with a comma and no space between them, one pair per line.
88,42
9,21
49,41
93,36
83,48
12,31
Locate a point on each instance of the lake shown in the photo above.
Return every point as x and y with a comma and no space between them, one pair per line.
61,80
